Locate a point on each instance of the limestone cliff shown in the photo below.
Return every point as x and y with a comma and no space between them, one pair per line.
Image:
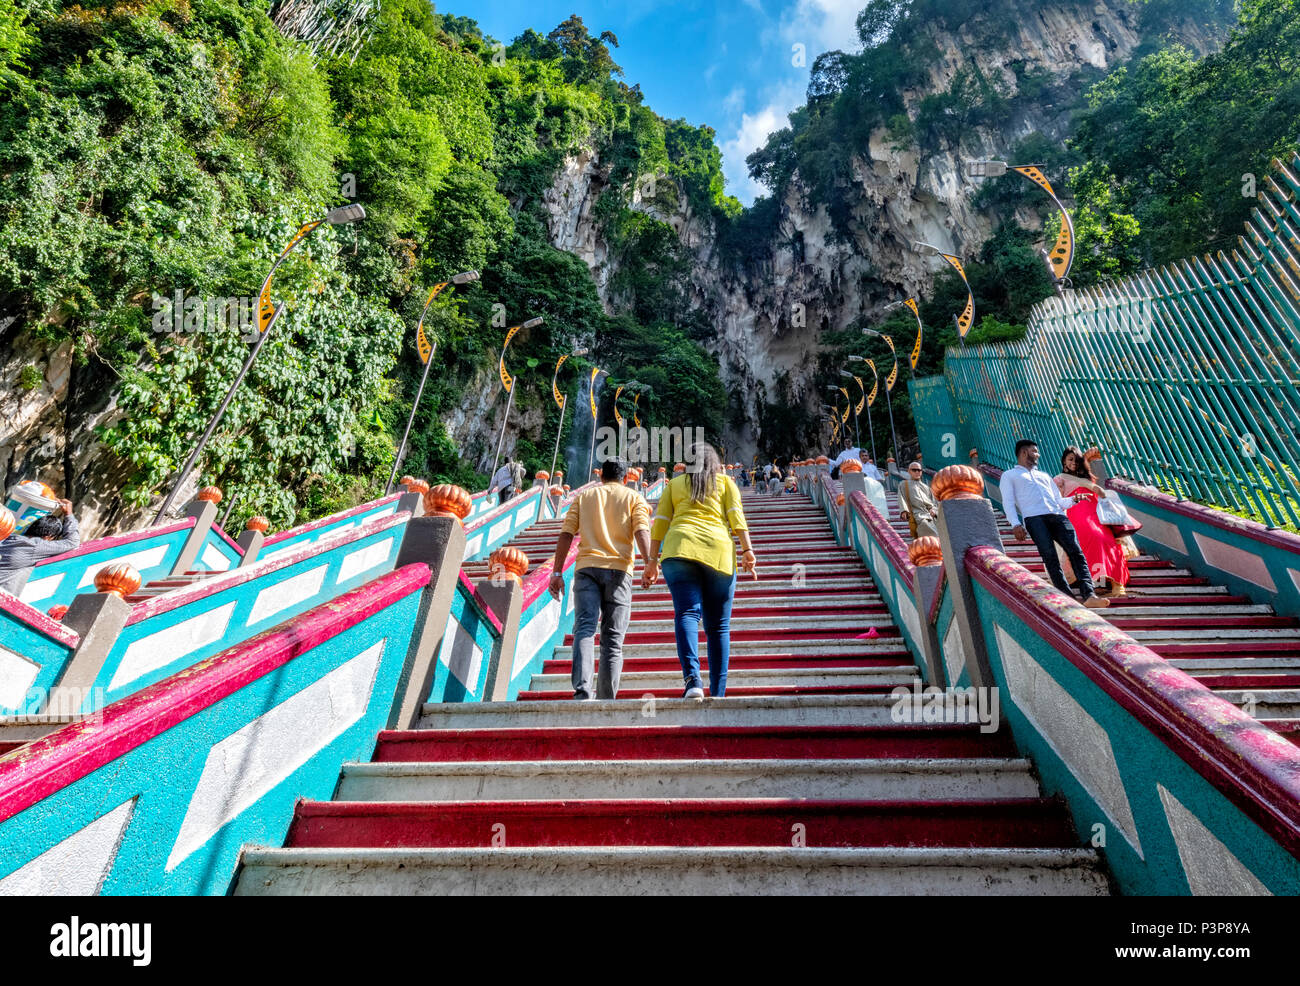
901,194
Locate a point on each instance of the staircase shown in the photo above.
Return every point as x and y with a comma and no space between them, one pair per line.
1241,650
799,781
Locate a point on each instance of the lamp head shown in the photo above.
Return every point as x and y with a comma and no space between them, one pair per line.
857,359
464,277
845,373
345,214
925,249
581,352
986,169
532,322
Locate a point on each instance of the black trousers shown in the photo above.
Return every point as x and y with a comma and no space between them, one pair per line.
1051,529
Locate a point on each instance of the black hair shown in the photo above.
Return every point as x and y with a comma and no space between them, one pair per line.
46,527
1080,469
613,470
1024,443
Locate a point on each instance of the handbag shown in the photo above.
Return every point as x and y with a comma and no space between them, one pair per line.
1112,514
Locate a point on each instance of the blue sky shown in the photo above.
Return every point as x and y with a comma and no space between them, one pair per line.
727,63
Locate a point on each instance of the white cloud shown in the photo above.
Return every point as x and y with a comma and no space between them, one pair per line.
752,133
822,25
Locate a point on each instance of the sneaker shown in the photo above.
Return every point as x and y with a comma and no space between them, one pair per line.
1096,602
695,693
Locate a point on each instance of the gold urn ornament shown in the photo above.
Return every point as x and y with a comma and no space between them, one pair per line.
418,486
211,494
447,500
120,579
8,522
507,563
823,460
850,465
958,483
257,523
925,551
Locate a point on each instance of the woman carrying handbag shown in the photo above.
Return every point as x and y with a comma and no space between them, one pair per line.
1105,556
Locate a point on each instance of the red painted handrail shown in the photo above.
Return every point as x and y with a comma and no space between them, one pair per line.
894,547
37,620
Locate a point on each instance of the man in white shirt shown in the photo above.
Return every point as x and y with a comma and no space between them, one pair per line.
871,472
1036,510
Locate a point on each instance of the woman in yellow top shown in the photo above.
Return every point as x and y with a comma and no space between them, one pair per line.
698,512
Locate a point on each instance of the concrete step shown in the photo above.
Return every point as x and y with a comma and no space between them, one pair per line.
1264,703
639,681
687,742
669,662
757,711
676,872
861,780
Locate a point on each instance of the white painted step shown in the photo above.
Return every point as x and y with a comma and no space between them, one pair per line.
758,710
1226,663
1262,703
674,872
1195,612
855,780
634,681
1177,635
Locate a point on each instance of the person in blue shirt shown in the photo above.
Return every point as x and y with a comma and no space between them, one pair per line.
1035,510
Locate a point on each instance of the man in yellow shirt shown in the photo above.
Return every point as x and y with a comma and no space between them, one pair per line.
608,521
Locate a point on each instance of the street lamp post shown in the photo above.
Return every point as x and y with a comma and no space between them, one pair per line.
915,356
875,386
889,384
267,315
426,350
857,408
591,396
563,401
509,382
967,316
1061,257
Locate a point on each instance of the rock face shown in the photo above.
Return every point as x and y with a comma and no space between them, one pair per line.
768,319
812,280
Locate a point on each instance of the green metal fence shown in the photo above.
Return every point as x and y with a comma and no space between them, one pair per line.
1188,376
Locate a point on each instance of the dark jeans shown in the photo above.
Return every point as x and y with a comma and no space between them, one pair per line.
505,494
1050,529
700,592
604,595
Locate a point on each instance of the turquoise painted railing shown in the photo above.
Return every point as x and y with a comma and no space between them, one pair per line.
353,517
219,552
1188,376
35,649
153,552
160,793
176,629
471,643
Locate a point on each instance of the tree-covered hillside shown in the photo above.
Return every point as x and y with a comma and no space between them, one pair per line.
176,145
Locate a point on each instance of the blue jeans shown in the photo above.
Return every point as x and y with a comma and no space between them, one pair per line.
699,591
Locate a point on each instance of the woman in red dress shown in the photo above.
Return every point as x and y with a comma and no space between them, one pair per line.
1105,555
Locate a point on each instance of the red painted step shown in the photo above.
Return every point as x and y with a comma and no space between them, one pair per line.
691,742
9,747
634,636
1247,680
1259,621
1029,823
